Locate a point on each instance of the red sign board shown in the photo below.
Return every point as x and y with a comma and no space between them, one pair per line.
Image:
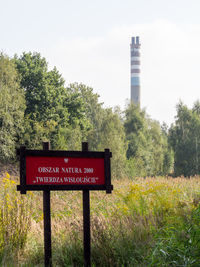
64,171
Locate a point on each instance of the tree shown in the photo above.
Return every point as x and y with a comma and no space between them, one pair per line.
184,137
93,111
44,90
102,129
12,105
160,151
135,125
148,151
112,136
45,95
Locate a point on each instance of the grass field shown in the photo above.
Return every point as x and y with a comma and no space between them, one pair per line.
144,222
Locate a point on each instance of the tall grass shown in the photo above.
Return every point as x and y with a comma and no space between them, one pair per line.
14,220
145,222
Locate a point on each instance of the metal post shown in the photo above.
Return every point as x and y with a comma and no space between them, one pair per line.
86,220
47,221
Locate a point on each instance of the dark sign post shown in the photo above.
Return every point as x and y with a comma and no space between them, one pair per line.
47,220
48,170
86,220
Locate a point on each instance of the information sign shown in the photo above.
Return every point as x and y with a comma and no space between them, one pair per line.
64,170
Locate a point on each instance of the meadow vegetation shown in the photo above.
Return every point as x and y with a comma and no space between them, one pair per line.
144,222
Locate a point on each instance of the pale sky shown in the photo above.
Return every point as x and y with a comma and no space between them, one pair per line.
89,42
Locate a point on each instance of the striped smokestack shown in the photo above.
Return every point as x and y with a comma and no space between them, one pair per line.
135,70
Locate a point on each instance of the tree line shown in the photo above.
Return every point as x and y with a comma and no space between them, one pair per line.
36,106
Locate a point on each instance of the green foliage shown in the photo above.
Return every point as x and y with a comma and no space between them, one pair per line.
78,102
12,105
38,132
112,136
45,96
92,110
44,90
160,152
134,125
52,112
37,107
102,128
68,116
148,152
184,137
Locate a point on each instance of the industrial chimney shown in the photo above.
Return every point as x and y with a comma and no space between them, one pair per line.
135,70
